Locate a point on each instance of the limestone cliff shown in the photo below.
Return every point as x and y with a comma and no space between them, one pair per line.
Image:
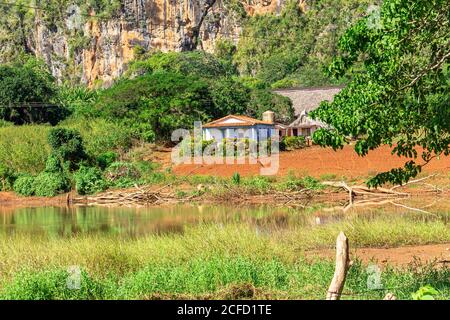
106,45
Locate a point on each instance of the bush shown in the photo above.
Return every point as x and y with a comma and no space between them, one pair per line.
53,164
312,183
122,174
187,146
68,145
230,96
258,184
4,123
7,178
236,178
24,185
48,184
106,159
293,143
89,180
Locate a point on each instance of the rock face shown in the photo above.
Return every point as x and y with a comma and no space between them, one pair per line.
106,45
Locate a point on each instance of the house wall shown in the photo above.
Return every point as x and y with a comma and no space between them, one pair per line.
256,132
301,131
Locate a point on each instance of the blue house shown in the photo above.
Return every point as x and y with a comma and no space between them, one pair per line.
237,126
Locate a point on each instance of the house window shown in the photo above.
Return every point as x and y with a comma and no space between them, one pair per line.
295,132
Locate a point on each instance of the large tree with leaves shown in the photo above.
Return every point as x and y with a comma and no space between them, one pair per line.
401,97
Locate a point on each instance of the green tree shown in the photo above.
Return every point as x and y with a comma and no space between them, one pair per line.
196,63
27,93
163,100
262,100
230,96
402,95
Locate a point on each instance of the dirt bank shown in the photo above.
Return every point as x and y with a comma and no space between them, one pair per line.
316,161
10,199
400,256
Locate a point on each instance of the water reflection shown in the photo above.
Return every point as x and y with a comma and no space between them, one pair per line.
137,222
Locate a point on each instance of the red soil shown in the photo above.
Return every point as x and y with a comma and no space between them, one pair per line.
316,161
9,201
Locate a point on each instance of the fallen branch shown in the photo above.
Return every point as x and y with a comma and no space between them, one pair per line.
412,181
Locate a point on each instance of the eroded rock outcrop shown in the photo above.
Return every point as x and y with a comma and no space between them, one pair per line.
103,47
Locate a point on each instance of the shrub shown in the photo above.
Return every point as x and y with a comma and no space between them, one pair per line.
89,180
53,164
230,96
68,145
258,184
48,184
24,185
237,146
293,143
25,83
188,145
264,100
312,183
425,293
106,159
122,174
236,178
7,178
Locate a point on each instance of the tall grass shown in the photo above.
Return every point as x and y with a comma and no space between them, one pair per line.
24,148
208,261
100,135
222,277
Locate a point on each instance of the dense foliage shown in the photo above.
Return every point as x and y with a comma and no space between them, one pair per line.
163,100
193,63
27,93
166,91
293,47
67,148
402,98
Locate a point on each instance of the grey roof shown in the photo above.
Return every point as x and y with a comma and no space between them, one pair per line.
307,99
303,121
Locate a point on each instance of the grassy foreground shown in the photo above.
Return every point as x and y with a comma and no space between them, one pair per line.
204,262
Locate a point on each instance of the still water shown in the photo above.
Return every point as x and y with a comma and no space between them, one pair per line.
138,222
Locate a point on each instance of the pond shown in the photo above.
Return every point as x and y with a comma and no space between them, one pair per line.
138,222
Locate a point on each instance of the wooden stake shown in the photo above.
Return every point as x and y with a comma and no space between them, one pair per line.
342,264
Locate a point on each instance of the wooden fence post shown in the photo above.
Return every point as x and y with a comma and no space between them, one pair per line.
342,264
